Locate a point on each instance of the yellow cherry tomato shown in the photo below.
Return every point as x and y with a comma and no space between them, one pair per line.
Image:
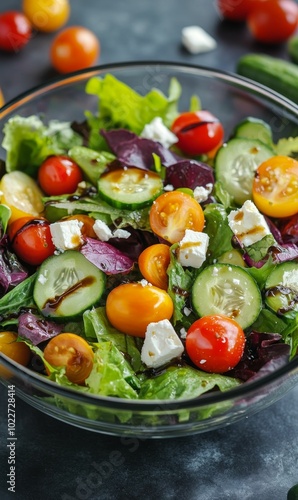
1,99
275,187
21,194
17,351
132,306
47,15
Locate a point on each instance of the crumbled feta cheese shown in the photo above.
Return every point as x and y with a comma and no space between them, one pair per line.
290,279
102,230
157,131
183,333
197,40
186,311
144,282
201,193
66,235
161,344
193,248
169,187
248,224
121,233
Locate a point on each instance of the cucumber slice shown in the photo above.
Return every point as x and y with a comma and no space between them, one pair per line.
254,128
281,289
236,163
130,188
227,289
67,285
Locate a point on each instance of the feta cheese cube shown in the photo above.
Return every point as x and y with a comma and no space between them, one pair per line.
248,224
193,248
121,233
161,344
157,131
201,193
102,230
197,40
66,235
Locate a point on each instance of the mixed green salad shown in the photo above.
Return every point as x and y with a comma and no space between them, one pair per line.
146,252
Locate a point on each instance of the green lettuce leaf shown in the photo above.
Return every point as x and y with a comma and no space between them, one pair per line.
179,287
218,231
184,383
28,141
20,296
287,146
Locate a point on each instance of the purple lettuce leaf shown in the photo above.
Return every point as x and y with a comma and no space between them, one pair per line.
189,174
135,243
12,272
263,353
106,257
135,151
37,329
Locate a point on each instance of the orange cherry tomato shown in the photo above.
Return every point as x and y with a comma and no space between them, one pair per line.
153,263
275,187
73,49
215,343
47,15
132,306
273,21
31,239
73,353
17,351
174,212
88,223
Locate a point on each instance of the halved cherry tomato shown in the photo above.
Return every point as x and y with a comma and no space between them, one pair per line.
153,263
31,240
59,175
17,351
273,21
275,187
21,194
174,212
88,223
47,15
198,132
215,343
132,306
74,48
15,31
72,352
234,10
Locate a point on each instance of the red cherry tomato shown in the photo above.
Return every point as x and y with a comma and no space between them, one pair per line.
15,31
74,48
72,352
59,175
198,132
31,240
215,344
174,212
234,10
273,21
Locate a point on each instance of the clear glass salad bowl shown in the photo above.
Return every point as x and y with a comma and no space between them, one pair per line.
231,99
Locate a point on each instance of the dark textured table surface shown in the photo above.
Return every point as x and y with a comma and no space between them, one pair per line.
255,459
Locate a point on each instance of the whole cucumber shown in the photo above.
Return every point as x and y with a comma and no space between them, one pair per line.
277,74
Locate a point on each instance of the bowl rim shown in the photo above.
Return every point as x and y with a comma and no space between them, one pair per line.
48,386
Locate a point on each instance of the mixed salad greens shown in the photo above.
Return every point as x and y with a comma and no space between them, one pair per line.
165,264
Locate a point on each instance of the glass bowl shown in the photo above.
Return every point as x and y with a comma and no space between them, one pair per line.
231,98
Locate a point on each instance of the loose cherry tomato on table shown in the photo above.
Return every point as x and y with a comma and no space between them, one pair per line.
31,240
198,132
153,263
59,175
275,187
234,10
174,212
74,48
47,15
72,352
273,21
17,351
215,344
15,31
132,306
